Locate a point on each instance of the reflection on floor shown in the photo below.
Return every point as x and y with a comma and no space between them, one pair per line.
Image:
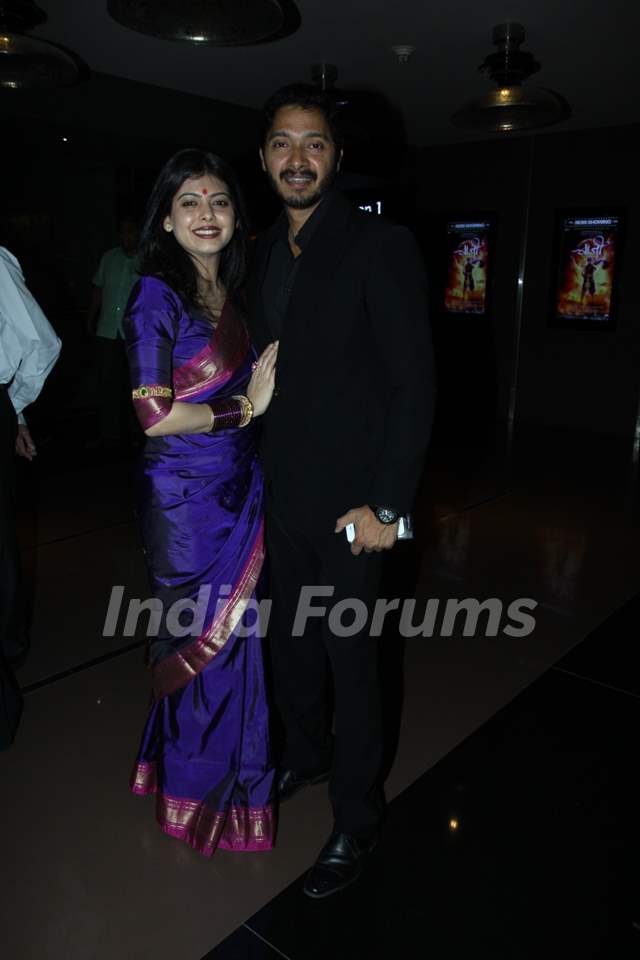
531,762
520,843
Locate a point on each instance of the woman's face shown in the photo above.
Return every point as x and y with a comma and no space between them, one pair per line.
202,217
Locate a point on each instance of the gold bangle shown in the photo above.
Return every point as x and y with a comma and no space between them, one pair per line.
246,407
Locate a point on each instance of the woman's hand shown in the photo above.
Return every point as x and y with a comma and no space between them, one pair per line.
263,378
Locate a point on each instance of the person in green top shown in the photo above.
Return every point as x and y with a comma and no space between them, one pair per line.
112,284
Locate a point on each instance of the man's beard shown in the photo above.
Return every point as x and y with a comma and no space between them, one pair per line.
295,202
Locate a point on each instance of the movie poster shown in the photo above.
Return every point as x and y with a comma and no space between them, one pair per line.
467,266
589,247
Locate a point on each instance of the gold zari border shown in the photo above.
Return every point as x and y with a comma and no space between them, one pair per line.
179,669
238,828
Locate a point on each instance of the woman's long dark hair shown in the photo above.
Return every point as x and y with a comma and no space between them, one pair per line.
160,253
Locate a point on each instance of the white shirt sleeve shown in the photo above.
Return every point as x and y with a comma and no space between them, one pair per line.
29,346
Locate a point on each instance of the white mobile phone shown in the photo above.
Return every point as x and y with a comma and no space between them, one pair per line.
405,530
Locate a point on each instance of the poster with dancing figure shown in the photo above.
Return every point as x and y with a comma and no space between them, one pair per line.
467,266
588,255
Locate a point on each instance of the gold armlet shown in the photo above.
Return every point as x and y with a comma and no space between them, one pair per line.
147,391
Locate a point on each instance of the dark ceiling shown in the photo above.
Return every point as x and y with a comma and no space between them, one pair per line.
588,51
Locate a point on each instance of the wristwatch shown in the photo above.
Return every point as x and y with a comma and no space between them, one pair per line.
385,515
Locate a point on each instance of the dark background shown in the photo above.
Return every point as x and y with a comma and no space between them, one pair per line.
61,199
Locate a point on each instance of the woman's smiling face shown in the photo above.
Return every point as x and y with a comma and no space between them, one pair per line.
202,217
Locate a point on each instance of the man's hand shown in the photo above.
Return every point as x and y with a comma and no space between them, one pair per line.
370,533
25,447
95,305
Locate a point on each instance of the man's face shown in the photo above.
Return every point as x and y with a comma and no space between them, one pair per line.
129,236
299,156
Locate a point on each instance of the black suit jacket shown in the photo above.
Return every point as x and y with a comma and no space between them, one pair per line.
352,414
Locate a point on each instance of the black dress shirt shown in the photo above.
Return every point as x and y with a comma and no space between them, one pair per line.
282,266
355,379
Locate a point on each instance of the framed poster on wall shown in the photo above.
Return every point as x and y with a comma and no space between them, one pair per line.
468,261
587,264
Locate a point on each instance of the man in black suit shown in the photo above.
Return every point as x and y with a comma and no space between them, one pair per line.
344,293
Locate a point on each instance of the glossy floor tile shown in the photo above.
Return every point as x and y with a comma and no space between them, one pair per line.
92,875
246,944
610,655
57,503
520,843
95,878
73,580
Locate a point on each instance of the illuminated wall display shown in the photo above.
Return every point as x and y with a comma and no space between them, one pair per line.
586,269
467,266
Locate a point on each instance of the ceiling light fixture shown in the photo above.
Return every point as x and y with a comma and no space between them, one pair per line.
512,106
213,22
27,62
324,76
402,51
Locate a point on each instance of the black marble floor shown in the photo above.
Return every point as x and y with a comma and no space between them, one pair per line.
539,862
521,843
610,654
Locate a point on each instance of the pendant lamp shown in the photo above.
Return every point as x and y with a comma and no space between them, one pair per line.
215,22
27,62
512,105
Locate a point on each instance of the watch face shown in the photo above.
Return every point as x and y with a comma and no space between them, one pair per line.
386,515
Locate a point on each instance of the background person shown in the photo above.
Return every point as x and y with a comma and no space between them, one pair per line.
112,285
29,348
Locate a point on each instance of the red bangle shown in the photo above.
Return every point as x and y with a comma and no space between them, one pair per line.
226,413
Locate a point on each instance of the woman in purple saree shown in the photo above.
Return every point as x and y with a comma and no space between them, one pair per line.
205,749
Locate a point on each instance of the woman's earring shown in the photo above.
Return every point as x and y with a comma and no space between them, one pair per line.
168,226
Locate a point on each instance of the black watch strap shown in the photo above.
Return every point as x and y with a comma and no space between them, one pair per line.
385,515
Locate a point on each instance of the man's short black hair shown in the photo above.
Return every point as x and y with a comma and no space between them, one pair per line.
308,97
127,216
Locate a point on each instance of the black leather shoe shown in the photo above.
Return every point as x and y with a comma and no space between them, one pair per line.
339,864
290,782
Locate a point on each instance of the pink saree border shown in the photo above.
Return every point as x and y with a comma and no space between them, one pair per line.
202,372
206,369
240,829
144,779
180,668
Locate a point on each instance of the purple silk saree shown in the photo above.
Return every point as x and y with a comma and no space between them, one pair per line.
205,749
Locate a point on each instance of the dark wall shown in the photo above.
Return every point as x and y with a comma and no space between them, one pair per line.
139,112
475,355
580,380
73,158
